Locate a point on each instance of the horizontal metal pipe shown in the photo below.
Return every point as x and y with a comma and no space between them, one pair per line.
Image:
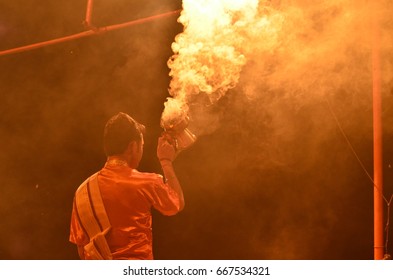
96,31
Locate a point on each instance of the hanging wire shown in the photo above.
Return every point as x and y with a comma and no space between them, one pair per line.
387,255
388,202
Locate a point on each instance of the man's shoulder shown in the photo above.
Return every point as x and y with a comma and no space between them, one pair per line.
81,186
147,176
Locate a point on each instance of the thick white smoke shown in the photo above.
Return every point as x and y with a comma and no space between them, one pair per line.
210,53
303,49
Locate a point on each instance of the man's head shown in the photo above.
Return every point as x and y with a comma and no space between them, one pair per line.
122,135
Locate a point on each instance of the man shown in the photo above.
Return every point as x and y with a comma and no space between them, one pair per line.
111,216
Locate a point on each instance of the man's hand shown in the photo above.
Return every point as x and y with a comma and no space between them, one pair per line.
166,149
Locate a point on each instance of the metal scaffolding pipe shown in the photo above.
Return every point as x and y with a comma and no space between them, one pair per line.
96,31
89,12
377,140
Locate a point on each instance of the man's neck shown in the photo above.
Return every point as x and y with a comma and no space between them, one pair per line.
117,160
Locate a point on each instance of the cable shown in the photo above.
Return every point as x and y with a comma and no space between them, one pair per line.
388,203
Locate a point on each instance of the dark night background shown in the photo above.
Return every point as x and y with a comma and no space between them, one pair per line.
314,201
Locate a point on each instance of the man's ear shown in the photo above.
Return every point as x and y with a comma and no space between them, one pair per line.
132,147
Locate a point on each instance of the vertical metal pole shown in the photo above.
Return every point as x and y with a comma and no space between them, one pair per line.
89,11
377,130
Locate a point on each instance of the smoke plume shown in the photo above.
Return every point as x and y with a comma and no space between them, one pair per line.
210,54
271,76
269,51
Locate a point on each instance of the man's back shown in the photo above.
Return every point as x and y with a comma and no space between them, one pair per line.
111,215
128,196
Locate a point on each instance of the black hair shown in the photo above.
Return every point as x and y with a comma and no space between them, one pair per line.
119,131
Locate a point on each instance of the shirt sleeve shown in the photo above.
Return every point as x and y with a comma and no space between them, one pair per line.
164,198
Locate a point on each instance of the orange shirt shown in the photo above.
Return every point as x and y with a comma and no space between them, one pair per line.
128,196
